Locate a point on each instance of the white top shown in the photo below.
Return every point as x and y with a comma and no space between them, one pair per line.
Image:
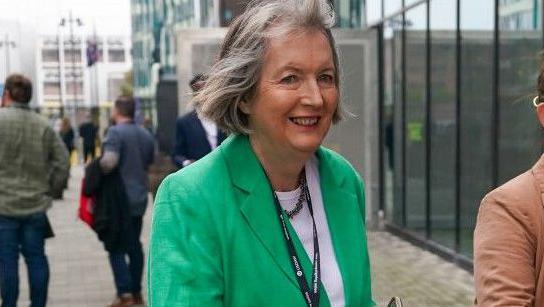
211,131
302,223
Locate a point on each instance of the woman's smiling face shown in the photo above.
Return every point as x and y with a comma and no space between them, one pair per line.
296,95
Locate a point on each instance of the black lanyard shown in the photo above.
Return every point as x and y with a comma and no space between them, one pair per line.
311,298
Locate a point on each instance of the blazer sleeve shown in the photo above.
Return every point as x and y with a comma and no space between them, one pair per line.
360,188
504,254
184,265
180,145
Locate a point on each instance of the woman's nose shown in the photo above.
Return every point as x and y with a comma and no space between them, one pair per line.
311,95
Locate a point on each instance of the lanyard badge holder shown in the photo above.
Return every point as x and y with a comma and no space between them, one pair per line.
310,296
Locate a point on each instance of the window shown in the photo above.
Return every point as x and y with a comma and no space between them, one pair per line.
391,6
116,56
74,88
476,113
71,56
520,132
373,11
50,55
51,73
415,129
392,119
51,88
443,119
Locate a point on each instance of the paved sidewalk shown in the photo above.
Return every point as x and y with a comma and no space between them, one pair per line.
80,272
81,276
419,277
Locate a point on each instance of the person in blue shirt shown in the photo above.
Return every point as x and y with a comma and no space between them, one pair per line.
129,148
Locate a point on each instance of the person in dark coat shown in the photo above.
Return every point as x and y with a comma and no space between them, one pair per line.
88,132
67,134
111,212
195,136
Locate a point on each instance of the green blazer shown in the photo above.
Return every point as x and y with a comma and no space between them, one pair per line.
216,239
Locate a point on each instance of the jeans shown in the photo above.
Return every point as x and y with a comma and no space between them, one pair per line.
26,235
128,276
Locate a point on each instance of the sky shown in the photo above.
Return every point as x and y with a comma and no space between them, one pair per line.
475,14
113,16
108,17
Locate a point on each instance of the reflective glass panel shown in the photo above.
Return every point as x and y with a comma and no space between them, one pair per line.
416,160
392,126
443,129
520,44
476,112
391,6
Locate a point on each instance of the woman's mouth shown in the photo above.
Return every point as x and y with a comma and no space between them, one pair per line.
305,121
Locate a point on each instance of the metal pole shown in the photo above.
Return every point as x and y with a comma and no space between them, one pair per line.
458,130
403,119
381,125
495,111
73,104
74,80
428,124
60,75
7,44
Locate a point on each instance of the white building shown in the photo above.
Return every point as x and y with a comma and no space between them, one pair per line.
64,79
17,49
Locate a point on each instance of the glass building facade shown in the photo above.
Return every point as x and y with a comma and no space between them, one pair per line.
457,78
154,24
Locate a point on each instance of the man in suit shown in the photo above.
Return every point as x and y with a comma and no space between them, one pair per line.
195,136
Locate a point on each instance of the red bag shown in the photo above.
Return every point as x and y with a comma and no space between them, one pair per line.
86,207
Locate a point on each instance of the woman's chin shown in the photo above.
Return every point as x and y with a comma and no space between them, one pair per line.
306,146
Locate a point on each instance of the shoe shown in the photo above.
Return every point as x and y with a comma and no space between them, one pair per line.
137,300
125,300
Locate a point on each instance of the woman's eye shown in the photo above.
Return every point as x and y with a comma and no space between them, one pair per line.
289,79
326,78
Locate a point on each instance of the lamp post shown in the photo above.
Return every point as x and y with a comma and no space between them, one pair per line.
71,23
8,44
60,50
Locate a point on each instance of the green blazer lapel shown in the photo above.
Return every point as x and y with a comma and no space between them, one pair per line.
345,226
257,204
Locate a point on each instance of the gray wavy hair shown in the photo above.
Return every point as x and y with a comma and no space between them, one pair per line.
235,75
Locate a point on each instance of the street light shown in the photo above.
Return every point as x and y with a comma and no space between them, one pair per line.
8,44
60,50
71,22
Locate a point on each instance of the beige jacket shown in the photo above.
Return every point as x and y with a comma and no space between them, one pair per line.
509,243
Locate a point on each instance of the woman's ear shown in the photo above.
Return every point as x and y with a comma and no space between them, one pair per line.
540,113
245,107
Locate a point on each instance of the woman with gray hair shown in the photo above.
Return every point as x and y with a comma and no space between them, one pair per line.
270,218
